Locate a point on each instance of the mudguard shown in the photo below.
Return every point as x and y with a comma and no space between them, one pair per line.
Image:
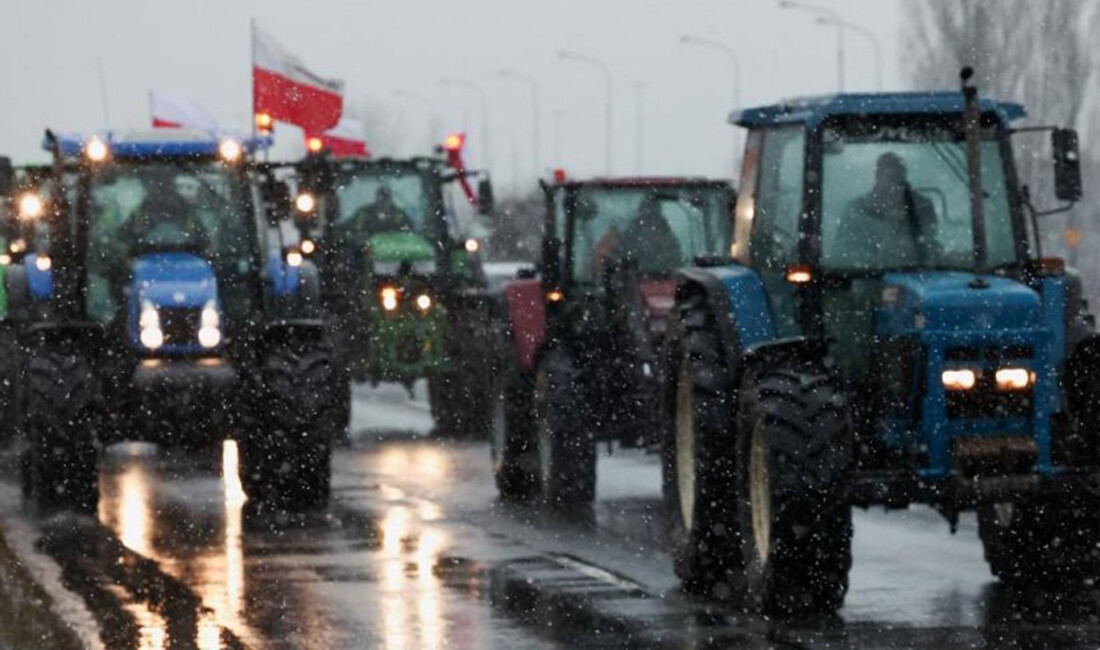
526,311
282,278
740,304
40,282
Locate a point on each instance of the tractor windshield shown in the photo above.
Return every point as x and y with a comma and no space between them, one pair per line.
150,207
659,228
896,196
373,201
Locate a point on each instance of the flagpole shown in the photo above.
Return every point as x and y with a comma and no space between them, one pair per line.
252,72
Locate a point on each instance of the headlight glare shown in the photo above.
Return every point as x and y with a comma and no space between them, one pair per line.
1014,378
424,302
959,379
388,297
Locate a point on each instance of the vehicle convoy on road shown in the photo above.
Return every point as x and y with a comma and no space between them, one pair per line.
887,334
159,306
586,337
403,290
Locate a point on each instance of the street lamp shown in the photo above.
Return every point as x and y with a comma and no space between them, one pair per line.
688,39
869,35
483,99
587,60
835,19
535,121
429,105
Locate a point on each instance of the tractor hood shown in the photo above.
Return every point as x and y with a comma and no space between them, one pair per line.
955,301
178,286
400,247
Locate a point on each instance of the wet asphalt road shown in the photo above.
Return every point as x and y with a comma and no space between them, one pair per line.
409,554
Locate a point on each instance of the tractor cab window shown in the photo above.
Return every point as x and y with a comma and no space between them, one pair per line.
143,208
658,229
369,202
897,196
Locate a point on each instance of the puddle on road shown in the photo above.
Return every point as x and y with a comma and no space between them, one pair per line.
344,577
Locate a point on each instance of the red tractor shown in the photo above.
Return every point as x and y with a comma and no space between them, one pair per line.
586,329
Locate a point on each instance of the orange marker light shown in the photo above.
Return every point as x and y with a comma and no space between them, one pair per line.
555,296
264,123
314,144
454,142
799,274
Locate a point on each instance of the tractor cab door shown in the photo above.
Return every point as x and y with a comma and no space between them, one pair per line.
768,214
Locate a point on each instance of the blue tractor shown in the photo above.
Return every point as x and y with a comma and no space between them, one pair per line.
888,333
159,306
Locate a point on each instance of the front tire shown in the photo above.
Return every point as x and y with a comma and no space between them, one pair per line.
566,448
699,456
62,421
511,434
1051,540
795,456
287,458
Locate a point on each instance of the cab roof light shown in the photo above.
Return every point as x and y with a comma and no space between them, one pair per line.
799,274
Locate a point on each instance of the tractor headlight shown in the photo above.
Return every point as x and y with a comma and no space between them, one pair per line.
210,333
43,263
424,302
388,297
294,258
230,150
30,206
959,379
1014,378
308,246
305,203
150,333
96,150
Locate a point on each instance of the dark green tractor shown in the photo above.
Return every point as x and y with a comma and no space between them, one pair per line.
401,286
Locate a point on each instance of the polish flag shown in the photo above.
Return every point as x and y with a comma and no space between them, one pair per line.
345,139
285,89
175,112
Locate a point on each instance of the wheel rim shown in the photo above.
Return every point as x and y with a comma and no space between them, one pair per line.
542,385
498,431
685,445
760,493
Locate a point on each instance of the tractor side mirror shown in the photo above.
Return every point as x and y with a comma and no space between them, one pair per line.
1067,165
7,176
276,196
485,200
551,260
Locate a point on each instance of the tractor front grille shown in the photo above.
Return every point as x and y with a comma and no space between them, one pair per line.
984,400
180,324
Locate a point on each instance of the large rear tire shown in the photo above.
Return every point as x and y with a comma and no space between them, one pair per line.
566,447
699,455
511,432
62,421
286,459
795,458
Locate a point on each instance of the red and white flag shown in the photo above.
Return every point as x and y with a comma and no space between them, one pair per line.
285,89
345,139
175,112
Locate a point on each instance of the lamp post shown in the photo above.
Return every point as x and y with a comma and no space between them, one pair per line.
483,99
535,120
429,105
699,41
866,33
835,19
596,63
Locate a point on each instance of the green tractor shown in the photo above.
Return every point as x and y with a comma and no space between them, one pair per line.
401,287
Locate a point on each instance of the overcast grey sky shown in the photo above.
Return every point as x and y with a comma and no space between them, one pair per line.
200,49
